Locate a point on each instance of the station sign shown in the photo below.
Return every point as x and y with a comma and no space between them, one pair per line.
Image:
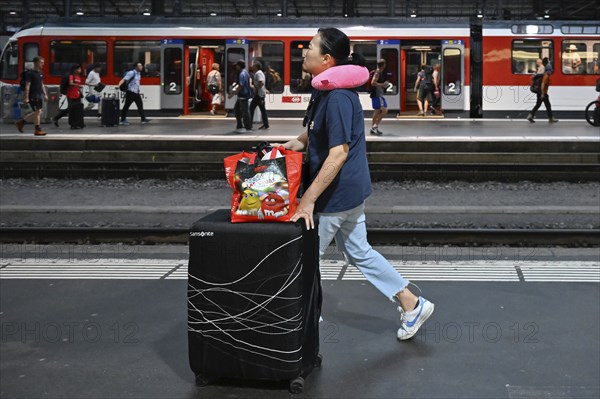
459,42
383,42
172,41
237,41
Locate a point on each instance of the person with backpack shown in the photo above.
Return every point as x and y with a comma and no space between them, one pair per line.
73,93
131,85
340,180
542,97
213,86
34,93
426,89
378,86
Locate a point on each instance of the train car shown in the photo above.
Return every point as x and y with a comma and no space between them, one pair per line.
177,55
487,74
510,51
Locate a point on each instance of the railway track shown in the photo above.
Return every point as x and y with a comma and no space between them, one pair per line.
377,236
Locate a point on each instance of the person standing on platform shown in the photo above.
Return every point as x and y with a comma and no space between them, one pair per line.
243,91
418,89
378,84
260,92
214,86
339,172
34,95
542,96
92,81
73,94
436,91
132,95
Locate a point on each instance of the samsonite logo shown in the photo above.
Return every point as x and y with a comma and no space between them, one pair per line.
202,233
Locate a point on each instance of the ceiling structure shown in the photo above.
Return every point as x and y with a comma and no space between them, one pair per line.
17,13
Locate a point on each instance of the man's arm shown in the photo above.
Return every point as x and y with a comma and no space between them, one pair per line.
331,168
297,144
26,93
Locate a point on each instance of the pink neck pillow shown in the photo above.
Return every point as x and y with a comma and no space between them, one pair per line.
341,77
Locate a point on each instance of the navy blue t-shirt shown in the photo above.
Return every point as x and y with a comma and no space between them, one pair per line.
338,119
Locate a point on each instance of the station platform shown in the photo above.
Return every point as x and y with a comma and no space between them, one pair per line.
395,129
110,322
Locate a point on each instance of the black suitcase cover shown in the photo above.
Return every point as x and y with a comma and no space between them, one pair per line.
76,116
110,112
254,300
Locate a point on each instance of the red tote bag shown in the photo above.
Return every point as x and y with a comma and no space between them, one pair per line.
265,187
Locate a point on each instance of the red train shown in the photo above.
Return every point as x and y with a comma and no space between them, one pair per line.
485,71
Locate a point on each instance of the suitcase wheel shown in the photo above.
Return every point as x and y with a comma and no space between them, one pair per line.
297,385
318,361
201,380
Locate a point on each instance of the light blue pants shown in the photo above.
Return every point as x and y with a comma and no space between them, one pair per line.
350,233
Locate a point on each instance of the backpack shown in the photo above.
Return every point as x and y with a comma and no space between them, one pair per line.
536,84
123,87
427,83
369,85
23,81
64,84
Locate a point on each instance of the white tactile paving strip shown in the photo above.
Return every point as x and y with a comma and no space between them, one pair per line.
169,269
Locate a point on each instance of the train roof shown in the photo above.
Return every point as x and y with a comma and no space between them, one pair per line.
176,26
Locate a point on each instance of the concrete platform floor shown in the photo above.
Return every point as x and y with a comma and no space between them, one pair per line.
281,128
123,334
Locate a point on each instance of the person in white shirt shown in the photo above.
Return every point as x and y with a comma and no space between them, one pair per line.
571,60
91,82
260,91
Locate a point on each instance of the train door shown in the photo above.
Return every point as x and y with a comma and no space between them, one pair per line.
415,54
453,75
171,75
389,50
235,50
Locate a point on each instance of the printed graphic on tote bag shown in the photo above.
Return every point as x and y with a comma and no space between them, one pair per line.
264,188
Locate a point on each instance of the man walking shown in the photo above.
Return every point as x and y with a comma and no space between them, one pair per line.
542,96
34,95
244,93
260,92
378,84
132,95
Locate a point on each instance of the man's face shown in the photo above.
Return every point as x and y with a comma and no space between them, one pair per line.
39,64
314,62
139,67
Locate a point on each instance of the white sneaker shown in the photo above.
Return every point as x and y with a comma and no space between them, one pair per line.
412,321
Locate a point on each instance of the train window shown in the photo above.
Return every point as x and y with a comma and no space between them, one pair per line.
65,53
580,57
127,53
30,51
580,29
369,53
173,70
299,80
530,29
270,55
9,65
525,53
452,72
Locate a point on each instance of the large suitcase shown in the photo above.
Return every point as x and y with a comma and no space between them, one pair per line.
254,301
110,112
76,116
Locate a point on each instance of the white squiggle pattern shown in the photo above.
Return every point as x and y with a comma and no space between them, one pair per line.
271,315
